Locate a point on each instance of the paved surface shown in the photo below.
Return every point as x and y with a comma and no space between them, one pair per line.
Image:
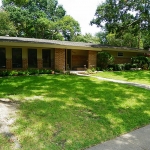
136,140
125,82
7,117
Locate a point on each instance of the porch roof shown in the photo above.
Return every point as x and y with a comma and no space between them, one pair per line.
45,43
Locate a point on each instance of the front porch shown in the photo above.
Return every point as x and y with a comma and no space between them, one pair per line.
22,58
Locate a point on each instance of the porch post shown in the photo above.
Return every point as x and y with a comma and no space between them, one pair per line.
92,59
60,59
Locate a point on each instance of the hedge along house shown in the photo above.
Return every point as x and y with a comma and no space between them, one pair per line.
23,53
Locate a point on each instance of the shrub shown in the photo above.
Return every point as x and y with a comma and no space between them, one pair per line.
141,61
104,59
127,66
25,72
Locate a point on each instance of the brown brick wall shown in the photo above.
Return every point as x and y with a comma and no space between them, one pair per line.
24,63
39,63
8,64
92,59
121,60
60,59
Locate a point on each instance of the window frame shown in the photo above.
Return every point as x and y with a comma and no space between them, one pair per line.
3,65
120,54
16,63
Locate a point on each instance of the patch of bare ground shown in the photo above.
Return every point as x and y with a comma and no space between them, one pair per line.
8,114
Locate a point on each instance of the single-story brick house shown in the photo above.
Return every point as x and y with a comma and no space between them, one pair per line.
23,53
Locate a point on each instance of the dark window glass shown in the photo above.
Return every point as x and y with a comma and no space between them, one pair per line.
2,58
68,59
120,54
32,58
46,56
16,57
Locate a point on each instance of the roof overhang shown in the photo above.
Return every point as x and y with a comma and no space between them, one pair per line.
44,43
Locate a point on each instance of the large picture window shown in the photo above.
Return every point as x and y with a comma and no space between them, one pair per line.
16,57
32,58
46,56
2,58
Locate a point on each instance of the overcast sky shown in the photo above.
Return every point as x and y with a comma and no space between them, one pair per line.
82,11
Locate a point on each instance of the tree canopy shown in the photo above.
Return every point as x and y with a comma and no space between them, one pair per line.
125,19
41,19
6,26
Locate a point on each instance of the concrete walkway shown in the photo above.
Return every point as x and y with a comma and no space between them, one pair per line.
125,82
136,140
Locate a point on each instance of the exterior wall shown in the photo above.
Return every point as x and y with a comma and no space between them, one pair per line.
126,58
60,59
79,59
92,59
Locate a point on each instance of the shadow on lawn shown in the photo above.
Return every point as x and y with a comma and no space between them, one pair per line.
72,112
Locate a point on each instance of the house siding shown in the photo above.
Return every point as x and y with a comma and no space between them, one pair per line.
92,59
8,64
25,63
60,59
126,58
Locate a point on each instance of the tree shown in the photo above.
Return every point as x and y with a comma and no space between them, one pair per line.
42,19
69,27
87,38
102,37
17,2
117,17
6,26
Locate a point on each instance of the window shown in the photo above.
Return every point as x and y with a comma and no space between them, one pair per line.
120,54
32,58
2,58
16,57
46,56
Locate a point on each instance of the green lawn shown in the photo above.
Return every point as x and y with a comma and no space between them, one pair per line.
72,112
4,143
142,77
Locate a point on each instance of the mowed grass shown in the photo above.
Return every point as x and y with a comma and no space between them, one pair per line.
142,77
72,112
5,144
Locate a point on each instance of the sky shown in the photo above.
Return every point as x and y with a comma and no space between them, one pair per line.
82,11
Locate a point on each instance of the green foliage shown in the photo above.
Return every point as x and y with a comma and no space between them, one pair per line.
91,70
104,59
130,29
69,27
44,19
25,72
141,61
6,26
102,37
127,40
17,2
87,38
